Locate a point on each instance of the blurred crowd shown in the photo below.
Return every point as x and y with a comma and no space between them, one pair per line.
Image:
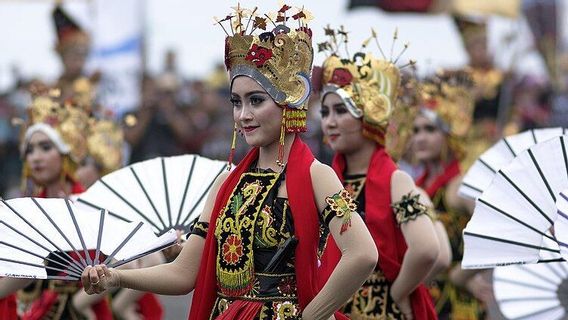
178,116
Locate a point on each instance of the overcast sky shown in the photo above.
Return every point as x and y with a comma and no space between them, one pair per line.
27,36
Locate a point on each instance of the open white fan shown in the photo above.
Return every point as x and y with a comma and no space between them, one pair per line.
514,216
536,292
481,173
53,239
164,192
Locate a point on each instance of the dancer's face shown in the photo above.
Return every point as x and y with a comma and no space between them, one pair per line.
256,114
342,130
87,173
428,140
43,158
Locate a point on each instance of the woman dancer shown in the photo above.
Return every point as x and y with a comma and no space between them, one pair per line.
358,97
255,245
442,121
53,145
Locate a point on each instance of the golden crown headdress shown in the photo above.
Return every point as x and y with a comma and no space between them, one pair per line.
446,100
280,59
448,95
400,127
68,121
105,143
368,86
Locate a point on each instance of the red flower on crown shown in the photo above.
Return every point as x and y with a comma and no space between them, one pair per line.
258,55
341,77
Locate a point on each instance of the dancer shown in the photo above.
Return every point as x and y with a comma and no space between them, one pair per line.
358,98
253,254
440,127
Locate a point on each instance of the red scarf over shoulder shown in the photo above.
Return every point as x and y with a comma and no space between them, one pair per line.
384,229
451,170
306,225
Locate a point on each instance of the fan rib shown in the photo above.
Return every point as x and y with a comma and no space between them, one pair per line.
565,156
38,232
472,187
487,165
39,266
79,234
516,219
554,271
129,204
523,284
527,245
201,197
72,262
519,299
537,275
67,271
509,147
533,135
60,233
99,236
167,193
190,175
148,197
94,206
542,175
123,243
138,256
526,197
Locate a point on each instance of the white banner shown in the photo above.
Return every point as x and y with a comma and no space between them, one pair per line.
117,52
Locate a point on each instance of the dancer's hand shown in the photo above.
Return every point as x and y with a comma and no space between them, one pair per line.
405,308
99,278
480,288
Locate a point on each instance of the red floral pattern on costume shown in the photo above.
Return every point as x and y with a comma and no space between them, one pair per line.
341,77
233,249
258,55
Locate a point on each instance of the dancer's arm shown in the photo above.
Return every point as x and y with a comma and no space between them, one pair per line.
444,259
359,254
175,278
421,240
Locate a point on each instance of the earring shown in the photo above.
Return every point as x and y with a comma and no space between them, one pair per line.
233,147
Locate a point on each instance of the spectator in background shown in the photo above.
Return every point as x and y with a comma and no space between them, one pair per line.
531,104
161,126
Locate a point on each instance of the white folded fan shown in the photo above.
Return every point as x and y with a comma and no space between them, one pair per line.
535,291
514,217
53,239
164,192
479,176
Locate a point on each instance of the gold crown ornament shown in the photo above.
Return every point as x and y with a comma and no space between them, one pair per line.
105,143
276,51
368,86
63,123
446,100
68,121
